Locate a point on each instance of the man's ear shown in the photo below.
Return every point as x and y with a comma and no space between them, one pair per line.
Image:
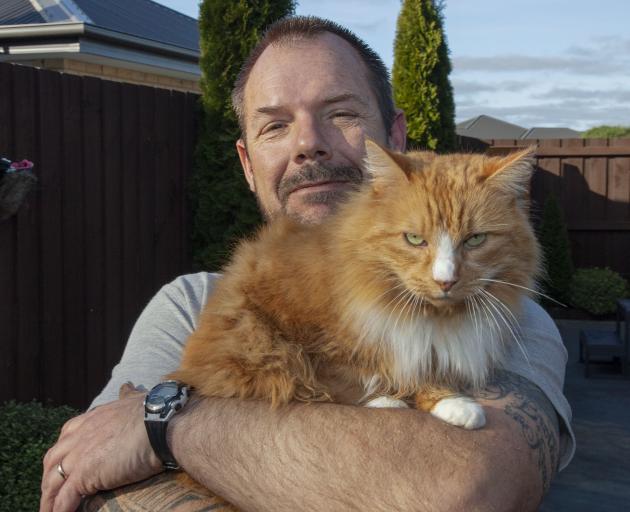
246,164
398,135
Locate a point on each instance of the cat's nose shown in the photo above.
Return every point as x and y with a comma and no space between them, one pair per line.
446,285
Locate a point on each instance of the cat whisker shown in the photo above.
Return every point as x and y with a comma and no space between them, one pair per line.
401,296
409,298
514,321
473,316
398,285
524,288
493,327
489,298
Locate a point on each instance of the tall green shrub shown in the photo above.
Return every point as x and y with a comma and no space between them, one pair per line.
223,207
420,76
554,239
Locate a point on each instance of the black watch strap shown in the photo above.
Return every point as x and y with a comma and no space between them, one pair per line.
157,437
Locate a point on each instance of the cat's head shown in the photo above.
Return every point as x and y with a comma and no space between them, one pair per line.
451,229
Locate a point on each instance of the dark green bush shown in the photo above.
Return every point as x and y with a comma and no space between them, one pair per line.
596,290
554,240
26,433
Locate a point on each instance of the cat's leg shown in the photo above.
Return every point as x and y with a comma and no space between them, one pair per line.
451,407
241,357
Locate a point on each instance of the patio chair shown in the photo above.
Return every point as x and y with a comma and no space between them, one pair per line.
598,345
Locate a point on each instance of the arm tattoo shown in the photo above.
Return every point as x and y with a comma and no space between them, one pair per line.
528,406
161,492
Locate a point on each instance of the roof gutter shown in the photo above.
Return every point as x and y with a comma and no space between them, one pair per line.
23,32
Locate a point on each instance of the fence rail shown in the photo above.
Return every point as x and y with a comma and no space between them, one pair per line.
106,226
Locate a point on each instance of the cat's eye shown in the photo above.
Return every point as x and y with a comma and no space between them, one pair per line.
415,240
475,240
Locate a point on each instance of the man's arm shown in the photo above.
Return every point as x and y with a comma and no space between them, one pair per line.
335,457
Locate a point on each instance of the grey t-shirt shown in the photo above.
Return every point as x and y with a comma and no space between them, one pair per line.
158,337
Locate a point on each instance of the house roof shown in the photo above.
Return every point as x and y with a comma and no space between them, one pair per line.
139,35
140,18
486,127
19,12
551,133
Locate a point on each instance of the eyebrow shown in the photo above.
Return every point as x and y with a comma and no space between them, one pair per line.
339,98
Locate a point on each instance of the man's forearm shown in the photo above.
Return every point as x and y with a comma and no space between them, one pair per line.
334,457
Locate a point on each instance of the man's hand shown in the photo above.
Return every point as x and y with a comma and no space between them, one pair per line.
101,449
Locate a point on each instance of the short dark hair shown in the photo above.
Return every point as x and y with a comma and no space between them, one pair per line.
309,27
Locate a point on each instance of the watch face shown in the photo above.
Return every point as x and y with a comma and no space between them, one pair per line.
160,395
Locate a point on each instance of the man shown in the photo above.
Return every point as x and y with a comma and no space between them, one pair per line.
307,98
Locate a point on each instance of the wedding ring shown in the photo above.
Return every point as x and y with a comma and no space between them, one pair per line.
61,471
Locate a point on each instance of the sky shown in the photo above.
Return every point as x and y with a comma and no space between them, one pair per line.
532,63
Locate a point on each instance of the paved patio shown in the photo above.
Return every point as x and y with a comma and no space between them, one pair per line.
598,478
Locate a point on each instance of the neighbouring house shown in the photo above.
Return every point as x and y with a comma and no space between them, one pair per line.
487,128
132,41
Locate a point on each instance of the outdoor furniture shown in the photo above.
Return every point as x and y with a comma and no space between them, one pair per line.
598,346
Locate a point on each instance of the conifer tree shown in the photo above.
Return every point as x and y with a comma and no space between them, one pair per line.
223,207
554,240
420,76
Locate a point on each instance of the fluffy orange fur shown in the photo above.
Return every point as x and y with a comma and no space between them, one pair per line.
332,312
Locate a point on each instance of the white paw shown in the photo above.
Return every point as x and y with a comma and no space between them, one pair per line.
386,401
461,411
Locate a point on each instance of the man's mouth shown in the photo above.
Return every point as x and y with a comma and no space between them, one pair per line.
320,186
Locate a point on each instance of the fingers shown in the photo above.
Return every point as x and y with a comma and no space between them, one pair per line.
68,498
52,480
52,483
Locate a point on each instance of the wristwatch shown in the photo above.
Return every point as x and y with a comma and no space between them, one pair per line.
160,405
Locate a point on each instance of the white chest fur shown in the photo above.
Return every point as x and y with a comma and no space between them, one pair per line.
421,347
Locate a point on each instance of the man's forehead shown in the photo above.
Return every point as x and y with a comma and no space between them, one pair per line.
325,65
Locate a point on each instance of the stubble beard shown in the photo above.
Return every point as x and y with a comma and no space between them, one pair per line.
312,174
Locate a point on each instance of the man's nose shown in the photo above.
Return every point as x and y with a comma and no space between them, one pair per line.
311,142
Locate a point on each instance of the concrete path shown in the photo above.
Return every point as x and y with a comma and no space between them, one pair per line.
598,478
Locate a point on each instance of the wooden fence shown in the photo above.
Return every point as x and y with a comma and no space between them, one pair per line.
108,222
105,228
591,179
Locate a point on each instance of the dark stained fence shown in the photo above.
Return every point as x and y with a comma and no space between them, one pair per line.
591,179
105,228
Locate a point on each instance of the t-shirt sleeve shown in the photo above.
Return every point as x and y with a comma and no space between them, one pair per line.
157,340
542,360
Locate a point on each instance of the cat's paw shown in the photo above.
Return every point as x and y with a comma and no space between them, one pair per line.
386,402
461,411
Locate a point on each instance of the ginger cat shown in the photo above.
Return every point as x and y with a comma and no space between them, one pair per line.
407,294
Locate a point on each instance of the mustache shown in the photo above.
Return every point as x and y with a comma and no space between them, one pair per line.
312,174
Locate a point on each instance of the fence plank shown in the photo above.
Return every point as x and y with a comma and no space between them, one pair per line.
131,134
73,215
51,168
8,286
146,200
93,186
113,204
27,256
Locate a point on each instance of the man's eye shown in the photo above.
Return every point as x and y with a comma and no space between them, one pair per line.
344,114
273,127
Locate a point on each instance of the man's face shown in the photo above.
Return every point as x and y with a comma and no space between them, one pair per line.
308,109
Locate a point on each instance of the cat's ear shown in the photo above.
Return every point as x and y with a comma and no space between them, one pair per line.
384,168
512,173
